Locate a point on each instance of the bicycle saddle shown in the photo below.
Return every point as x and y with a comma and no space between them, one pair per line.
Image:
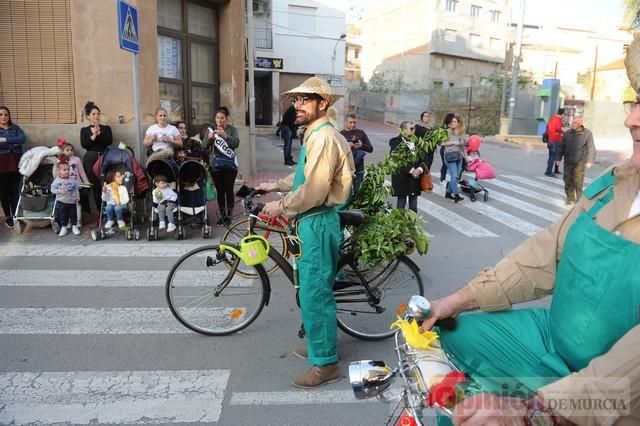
351,217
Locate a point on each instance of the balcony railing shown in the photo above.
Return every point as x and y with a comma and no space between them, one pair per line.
264,38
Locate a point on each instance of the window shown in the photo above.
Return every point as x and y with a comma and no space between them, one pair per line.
36,63
356,54
495,44
475,10
450,64
449,35
495,16
450,5
437,85
451,85
438,63
475,40
170,14
302,19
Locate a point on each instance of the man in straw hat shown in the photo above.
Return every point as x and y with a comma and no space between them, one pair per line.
322,180
577,361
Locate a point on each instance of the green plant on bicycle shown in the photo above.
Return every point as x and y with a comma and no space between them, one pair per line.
212,291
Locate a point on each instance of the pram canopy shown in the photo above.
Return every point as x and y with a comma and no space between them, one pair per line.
166,167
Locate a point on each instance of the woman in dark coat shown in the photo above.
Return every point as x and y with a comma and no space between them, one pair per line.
95,139
406,183
12,139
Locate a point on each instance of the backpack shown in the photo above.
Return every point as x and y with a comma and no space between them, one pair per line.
545,136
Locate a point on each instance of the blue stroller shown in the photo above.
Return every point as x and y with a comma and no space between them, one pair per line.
192,198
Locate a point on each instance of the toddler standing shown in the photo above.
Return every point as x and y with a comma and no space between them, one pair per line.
165,198
67,192
76,171
116,196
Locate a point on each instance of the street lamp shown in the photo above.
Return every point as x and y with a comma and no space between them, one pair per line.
333,57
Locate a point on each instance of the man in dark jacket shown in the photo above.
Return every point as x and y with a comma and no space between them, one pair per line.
579,151
554,130
406,182
360,146
287,129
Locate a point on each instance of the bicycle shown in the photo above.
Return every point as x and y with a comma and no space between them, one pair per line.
206,296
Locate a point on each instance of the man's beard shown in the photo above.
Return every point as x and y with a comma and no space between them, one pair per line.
308,118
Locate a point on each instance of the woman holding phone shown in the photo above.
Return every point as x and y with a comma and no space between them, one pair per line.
95,139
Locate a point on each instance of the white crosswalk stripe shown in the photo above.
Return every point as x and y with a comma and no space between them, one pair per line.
495,214
100,249
112,397
526,192
454,220
525,206
559,181
536,184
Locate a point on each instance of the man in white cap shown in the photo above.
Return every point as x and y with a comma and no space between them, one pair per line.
322,181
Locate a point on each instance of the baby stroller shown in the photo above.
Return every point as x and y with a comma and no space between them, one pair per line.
118,159
480,168
36,203
168,168
192,198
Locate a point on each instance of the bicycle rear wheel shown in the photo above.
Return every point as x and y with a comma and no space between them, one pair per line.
240,229
209,298
392,284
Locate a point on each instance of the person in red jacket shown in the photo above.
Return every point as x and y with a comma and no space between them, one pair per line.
554,130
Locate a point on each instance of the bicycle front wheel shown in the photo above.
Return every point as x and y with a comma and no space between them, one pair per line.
368,315
240,229
209,298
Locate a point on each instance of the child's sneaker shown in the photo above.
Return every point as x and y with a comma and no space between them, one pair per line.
109,224
162,225
171,227
75,230
63,231
121,224
79,225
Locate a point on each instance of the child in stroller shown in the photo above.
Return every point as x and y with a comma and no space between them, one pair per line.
474,164
118,195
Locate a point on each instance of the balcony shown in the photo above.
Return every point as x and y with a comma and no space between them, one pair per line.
263,38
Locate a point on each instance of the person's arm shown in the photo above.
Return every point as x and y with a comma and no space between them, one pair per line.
173,196
612,376
176,138
233,139
149,137
81,172
561,148
591,150
18,138
366,143
85,138
106,137
124,194
55,187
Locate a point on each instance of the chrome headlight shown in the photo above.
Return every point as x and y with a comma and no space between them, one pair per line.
369,378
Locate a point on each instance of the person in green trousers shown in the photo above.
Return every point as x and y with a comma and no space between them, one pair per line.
321,182
577,361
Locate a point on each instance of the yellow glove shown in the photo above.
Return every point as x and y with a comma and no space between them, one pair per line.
413,336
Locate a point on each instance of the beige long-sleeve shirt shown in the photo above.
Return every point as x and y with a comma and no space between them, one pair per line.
328,171
529,272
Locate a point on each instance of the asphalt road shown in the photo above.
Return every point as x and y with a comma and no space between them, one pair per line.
85,335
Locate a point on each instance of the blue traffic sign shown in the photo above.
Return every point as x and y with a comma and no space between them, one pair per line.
128,33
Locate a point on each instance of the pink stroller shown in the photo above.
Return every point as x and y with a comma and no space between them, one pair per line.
481,169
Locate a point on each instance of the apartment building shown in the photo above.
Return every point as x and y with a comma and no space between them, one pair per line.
424,44
295,40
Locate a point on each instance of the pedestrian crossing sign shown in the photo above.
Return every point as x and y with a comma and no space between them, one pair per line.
128,33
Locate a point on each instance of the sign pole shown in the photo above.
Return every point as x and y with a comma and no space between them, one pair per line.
136,105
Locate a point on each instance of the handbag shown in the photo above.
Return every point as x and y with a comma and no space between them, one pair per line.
452,156
426,184
222,163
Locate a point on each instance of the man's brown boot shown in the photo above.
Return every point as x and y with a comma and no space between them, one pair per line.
317,376
300,352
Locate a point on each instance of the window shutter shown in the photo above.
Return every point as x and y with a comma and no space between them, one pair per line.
36,65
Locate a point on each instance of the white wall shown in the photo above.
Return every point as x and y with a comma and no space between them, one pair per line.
305,49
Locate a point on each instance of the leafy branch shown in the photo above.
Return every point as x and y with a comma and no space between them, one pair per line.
387,232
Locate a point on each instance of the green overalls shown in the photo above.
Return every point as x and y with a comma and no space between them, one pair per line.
319,233
595,302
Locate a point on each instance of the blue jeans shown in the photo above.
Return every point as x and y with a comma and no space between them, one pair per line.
115,210
413,202
287,137
166,209
454,171
553,149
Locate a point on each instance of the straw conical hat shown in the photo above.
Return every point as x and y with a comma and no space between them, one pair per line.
314,85
632,63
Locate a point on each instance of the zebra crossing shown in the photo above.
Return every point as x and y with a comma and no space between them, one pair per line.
521,204
166,395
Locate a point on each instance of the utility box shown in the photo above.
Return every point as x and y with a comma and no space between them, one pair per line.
550,101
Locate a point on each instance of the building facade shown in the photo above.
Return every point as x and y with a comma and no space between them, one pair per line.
424,44
59,54
295,40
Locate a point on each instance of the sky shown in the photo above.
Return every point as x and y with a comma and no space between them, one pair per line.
589,13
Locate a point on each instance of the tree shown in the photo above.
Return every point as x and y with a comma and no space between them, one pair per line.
631,15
